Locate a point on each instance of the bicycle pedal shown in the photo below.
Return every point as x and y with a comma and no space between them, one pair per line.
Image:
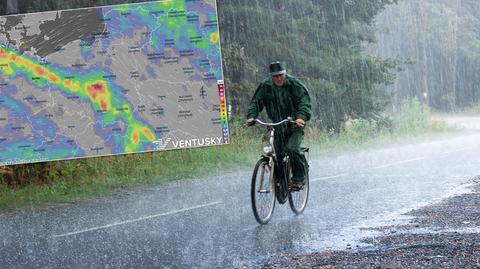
295,187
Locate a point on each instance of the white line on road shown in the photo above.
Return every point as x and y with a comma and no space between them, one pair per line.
455,151
391,164
325,178
419,159
397,163
139,219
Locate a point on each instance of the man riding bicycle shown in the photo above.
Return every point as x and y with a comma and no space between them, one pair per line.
283,96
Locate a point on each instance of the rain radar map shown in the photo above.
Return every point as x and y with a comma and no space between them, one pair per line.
110,80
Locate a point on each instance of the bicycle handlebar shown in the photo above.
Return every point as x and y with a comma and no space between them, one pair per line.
289,119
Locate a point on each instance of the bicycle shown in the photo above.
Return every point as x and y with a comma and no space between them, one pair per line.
269,186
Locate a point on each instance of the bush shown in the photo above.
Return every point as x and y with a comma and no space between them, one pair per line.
360,130
412,117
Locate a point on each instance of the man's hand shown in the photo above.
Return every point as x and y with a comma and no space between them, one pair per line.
300,122
250,122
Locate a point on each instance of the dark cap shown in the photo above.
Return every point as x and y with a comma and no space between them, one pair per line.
276,68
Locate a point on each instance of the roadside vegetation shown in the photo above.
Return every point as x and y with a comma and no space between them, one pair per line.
66,181
413,121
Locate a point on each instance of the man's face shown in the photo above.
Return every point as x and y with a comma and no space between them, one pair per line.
279,80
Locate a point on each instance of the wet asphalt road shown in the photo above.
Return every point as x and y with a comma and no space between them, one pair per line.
208,223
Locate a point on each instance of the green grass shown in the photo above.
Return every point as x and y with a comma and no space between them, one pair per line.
68,181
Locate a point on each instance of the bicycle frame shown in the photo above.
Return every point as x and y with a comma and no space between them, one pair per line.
271,154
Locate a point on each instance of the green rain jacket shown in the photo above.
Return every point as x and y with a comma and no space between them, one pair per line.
290,100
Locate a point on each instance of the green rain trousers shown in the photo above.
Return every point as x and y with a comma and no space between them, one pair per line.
290,141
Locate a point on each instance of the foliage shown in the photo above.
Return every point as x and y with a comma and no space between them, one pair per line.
321,42
360,130
413,116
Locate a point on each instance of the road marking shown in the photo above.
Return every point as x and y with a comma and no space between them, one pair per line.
139,219
325,178
419,159
391,164
455,151
397,163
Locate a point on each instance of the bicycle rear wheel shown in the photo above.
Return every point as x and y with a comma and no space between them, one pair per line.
263,191
298,199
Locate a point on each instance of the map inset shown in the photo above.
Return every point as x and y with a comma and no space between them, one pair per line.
110,80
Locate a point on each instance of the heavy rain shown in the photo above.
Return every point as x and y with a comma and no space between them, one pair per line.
392,112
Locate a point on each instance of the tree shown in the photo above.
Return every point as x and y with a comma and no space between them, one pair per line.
322,42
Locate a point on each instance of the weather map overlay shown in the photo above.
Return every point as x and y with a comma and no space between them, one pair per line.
111,80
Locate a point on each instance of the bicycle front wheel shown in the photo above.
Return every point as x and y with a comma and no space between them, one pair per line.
263,191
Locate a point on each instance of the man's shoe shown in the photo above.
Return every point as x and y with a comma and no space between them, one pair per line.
297,184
